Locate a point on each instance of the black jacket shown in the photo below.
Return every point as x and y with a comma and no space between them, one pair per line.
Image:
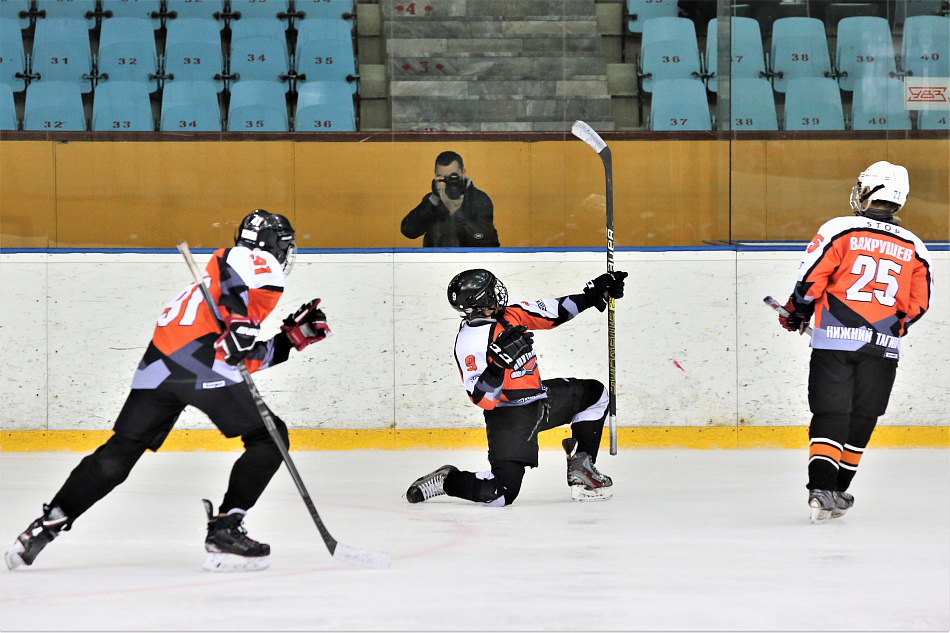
472,225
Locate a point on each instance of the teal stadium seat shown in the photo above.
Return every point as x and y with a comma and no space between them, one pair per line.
813,103
193,51
325,106
122,106
879,105
679,105
54,106
925,47
61,51
259,50
193,9
668,51
753,105
324,51
864,48
642,10
799,49
8,119
933,120
127,51
258,106
748,56
12,56
249,9
78,9
190,106
145,9
13,9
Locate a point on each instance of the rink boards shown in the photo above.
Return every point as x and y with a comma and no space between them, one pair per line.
701,362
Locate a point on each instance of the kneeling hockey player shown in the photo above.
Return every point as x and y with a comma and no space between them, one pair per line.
865,280
499,368
189,362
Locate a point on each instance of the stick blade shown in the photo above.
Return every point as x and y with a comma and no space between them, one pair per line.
362,557
587,134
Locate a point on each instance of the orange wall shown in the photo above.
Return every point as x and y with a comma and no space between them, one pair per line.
550,193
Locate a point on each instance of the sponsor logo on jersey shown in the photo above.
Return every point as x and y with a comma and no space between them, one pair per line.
214,384
849,333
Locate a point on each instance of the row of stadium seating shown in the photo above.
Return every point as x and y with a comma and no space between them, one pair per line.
185,106
811,103
799,48
193,51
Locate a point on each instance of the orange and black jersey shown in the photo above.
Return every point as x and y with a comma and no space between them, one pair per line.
866,282
243,283
490,388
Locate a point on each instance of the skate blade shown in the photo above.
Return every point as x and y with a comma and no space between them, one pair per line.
218,562
818,515
582,493
13,556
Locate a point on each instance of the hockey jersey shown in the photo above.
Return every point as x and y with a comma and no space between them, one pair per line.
242,282
522,383
865,282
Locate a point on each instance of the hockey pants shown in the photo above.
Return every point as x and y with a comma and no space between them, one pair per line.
847,392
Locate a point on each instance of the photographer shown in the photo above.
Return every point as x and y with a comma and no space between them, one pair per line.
455,213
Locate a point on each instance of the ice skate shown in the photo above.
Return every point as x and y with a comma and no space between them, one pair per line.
428,486
32,541
828,504
229,547
586,482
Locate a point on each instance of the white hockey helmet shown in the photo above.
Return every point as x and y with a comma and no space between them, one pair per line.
881,181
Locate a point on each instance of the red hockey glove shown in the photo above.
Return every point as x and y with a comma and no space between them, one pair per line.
307,325
237,339
795,321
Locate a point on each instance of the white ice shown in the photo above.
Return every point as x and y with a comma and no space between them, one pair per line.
695,540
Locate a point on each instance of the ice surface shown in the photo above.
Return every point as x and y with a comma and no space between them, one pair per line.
696,540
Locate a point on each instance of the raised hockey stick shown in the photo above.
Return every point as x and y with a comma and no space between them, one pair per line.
584,132
339,551
775,305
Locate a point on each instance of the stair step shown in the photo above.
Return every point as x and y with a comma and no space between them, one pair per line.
504,68
511,9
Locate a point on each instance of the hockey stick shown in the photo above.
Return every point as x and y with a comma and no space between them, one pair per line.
584,132
775,305
339,551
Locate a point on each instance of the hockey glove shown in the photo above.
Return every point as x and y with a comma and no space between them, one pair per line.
237,339
305,326
608,284
510,345
795,321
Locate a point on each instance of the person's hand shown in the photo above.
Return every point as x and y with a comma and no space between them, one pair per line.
795,321
608,284
237,339
305,326
510,345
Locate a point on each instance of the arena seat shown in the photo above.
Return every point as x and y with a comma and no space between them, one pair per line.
54,106
122,106
75,9
8,120
324,106
748,56
258,106
259,50
669,50
642,10
12,56
13,8
127,51
799,49
61,51
813,103
679,105
753,105
879,105
193,50
190,106
864,47
324,50
925,47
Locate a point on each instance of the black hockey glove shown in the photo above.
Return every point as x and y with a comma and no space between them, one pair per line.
305,326
796,321
237,339
608,284
510,345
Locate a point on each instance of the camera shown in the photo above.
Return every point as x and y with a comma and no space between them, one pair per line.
454,186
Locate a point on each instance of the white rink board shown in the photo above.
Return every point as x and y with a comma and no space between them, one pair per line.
695,345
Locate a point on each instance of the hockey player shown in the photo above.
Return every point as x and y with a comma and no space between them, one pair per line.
865,280
190,362
499,368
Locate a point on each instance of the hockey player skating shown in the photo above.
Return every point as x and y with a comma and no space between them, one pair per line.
865,280
499,368
189,362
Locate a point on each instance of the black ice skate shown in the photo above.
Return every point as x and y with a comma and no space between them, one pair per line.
228,545
32,541
428,486
828,504
586,482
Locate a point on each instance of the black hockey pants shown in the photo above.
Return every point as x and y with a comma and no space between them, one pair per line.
847,392
143,424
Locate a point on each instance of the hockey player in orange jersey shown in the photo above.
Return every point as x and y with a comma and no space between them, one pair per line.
499,368
865,280
190,362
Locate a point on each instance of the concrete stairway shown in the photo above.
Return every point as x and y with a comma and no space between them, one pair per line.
495,65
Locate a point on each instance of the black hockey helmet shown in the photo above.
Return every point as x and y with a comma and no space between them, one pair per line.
472,292
269,232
